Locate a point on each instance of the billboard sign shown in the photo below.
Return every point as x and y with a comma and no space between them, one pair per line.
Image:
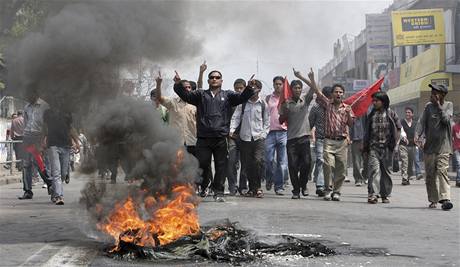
417,27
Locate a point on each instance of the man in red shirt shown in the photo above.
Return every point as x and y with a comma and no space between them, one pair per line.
456,146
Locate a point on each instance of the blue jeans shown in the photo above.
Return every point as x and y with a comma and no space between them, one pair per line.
457,165
418,168
276,172
59,160
319,161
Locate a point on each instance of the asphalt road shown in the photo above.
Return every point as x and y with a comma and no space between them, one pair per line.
402,233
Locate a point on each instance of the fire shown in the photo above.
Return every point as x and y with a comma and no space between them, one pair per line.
168,219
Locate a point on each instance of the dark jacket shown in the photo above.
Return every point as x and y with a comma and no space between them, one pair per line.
395,130
213,114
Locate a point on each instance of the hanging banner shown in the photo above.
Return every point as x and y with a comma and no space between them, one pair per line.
417,27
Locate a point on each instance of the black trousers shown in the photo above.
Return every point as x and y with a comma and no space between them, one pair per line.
205,149
299,160
252,160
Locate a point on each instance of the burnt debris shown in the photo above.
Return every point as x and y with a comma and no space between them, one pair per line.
224,242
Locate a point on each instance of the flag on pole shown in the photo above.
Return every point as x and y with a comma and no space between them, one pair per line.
361,101
286,93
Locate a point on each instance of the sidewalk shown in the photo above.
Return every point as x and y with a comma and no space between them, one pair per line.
7,178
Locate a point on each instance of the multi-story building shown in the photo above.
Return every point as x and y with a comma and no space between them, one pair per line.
425,62
408,68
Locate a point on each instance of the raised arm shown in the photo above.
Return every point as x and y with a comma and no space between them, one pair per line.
446,115
203,68
191,97
240,98
320,97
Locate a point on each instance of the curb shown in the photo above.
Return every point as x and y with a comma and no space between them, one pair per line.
10,180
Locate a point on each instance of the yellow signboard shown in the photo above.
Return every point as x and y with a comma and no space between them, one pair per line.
430,61
416,27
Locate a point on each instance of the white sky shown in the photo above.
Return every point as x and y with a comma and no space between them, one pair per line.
278,34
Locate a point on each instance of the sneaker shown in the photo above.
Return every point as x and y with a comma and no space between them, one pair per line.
54,199
243,192
385,200
372,200
304,192
420,177
327,196
59,201
320,192
279,192
295,196
446,204
27,195
405,182
204,193
218,198
67,179
359,184
336,196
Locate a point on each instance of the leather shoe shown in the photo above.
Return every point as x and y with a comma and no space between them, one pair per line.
27,195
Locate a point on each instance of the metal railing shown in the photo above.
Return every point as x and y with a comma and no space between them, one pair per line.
10,149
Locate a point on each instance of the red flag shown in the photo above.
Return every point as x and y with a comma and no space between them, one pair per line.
286,93
38,159
361,101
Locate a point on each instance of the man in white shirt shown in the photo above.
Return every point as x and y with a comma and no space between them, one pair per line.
254,124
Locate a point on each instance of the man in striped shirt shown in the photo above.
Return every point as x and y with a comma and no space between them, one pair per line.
339,117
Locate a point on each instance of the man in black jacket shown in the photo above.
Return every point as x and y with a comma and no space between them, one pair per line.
214,108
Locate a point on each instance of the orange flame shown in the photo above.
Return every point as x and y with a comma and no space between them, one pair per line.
171,220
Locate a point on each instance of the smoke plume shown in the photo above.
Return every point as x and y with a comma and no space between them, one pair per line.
74,61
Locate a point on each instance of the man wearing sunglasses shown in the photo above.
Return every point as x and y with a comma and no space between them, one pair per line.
214,108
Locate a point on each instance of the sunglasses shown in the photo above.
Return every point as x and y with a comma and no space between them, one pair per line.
215,77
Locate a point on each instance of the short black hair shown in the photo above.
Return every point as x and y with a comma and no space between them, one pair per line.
193,84
279,78
239,80
296,82
382,96
258,84
327,91
409,108
209,74
338,85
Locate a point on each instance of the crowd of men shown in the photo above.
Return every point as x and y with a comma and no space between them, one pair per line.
254,139
270,138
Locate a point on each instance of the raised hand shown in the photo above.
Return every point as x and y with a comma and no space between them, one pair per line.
176,77
203,67
159,79
297,73
251,81
311,75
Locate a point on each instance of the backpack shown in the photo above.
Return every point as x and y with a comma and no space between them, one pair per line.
243,107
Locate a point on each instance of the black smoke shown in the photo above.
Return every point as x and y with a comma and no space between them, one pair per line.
74,62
